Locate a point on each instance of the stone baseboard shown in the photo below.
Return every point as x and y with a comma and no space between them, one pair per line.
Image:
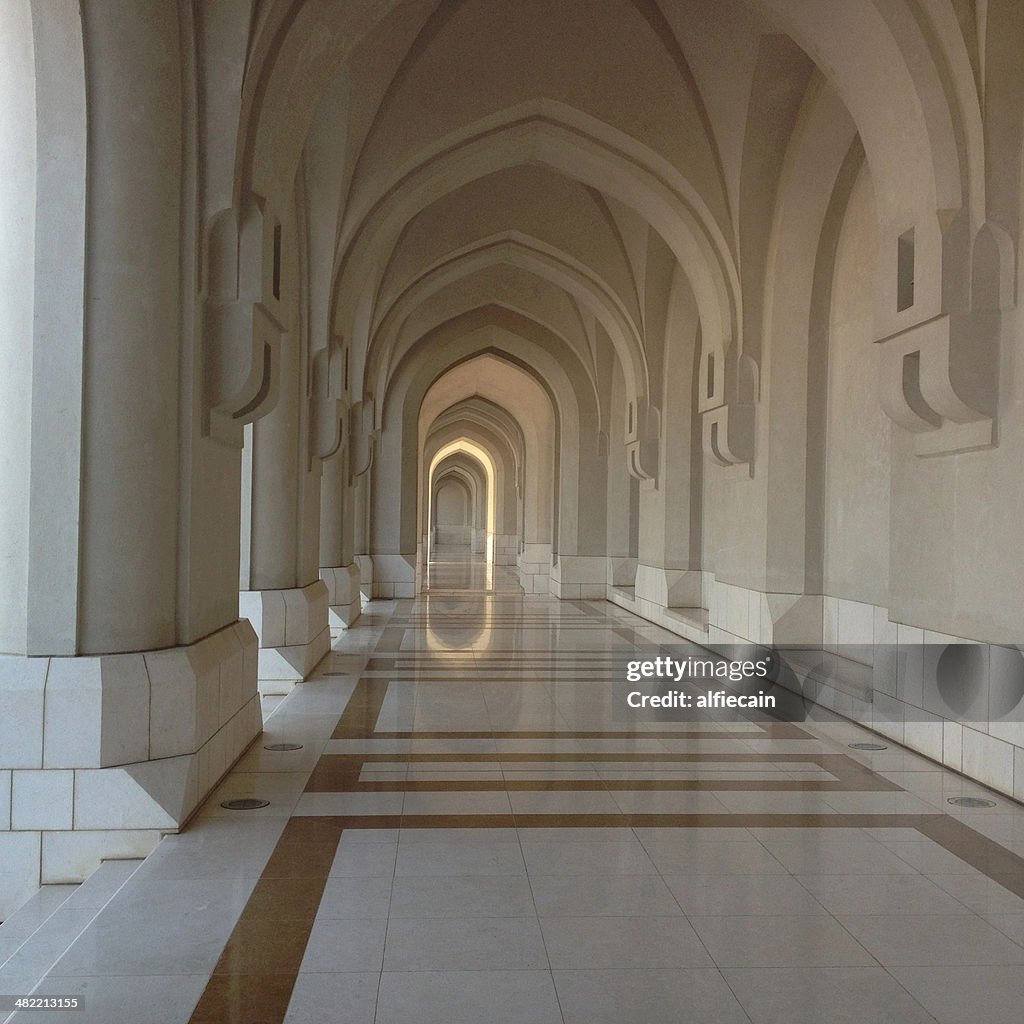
902,698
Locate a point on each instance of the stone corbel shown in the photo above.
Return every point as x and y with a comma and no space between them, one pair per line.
939,378
362,438
243,321
643,433
727,400
327,403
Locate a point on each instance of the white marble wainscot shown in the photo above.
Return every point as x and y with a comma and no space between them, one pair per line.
961,709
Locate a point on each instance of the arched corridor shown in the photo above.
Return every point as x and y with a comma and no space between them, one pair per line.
393,391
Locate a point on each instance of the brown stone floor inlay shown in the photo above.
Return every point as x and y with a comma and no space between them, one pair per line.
991,859
255,975
793,770
363,709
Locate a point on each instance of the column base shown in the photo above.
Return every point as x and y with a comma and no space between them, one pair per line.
506,548
670,588
671,598
580,577
292,626
365,563
394,576
534,565
344,599
101,756
621,571
739,614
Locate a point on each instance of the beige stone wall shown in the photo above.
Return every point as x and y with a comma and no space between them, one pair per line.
857,439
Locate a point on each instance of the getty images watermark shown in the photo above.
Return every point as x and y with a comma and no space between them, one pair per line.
877,683
681,684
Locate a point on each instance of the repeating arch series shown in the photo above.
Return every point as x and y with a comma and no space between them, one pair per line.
711,310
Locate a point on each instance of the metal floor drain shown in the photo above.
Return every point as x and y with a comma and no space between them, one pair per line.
868,746
970,801
283,746
246,804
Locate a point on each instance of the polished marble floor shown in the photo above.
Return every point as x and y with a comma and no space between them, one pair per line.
455,567
470,834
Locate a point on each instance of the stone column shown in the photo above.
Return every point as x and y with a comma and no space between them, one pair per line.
282,593
338,568
669,586
115,720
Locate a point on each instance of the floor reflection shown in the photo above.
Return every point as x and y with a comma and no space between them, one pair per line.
453,567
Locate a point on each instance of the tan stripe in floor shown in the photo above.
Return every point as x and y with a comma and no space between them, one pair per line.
256,973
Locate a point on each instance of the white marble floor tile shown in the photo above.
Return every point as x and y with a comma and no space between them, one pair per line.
626,857
464,944
462,896
880,894
935,941
829,995
467,997
348,897
193,919
602,895
345,944
741,895
806,940
364,860
454,802
622,942
647,996
438,859
955,994
349,998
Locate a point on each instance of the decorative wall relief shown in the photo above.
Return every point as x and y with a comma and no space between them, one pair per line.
643,435
939,367
728,392
243,320
328,408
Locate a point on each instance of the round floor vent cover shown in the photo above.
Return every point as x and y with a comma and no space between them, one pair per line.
246,804
283,746
970,801
868,746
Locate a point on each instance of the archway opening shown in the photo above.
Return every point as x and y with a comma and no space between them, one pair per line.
460,517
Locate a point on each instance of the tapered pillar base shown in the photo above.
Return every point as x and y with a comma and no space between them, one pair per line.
292,626
344,599
100,756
